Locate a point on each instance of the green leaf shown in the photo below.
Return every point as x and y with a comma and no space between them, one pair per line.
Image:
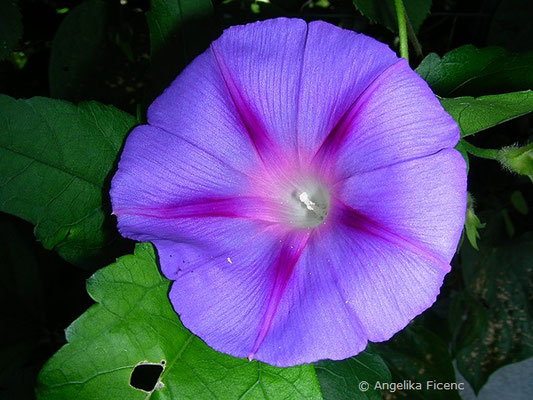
383,12
500,280
55,164
480,113
340,380
468,70
179,31
133,322
10,27
418,355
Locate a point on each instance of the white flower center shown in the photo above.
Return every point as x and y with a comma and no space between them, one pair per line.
304,198
308,206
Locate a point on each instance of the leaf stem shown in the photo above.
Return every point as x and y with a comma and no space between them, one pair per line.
490,154
402,29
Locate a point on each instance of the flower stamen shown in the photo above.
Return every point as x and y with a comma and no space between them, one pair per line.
309,207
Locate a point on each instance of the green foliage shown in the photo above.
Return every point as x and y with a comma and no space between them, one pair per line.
474,114
55,161
419,355
10,27
468,70
134,322
499,288
340,380
384,13
179,31
472,223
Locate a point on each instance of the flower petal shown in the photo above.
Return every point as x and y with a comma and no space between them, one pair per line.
260,300
312,320
168,188
338,65
223,302
228,299
354,282
396,118
422,200
158,168
261,71
197,108
341,291
383,280
247,83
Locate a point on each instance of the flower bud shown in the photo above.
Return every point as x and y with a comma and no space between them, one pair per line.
518,159
472,222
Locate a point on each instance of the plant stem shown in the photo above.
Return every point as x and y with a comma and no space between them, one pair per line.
490,154
402,29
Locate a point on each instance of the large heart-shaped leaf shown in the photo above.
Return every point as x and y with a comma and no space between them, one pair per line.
55,161
133,323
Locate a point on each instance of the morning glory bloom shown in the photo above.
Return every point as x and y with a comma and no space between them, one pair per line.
300,185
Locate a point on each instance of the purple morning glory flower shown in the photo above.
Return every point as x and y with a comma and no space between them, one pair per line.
300,185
